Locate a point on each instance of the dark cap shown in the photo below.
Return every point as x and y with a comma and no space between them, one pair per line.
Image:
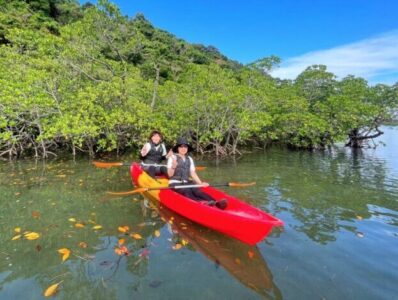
182,141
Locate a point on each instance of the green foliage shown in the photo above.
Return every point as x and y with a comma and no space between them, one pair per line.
86,78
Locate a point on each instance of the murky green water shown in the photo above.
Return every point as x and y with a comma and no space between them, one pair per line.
340,239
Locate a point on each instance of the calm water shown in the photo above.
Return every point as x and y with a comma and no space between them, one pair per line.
340,239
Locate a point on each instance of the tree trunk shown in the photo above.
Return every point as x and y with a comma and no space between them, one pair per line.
155,87
356,140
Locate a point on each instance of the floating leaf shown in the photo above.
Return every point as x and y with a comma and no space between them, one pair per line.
35,214
79,225
125,250
72,220
32,236
83,245
136,236
17,237
157,233
123,229
97,227
359,218
65,253
360,234
17,229
121,241
122,250
52,289
177,246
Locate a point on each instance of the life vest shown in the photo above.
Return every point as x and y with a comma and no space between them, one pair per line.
182,171
154,156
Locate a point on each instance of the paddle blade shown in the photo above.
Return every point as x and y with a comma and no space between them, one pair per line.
240,184
136,191
104,165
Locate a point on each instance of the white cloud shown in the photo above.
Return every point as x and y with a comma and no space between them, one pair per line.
375,59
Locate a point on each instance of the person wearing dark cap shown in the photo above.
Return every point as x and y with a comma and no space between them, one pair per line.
180,167
152,154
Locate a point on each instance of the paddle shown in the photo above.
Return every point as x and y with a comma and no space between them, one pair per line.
106,165
176,187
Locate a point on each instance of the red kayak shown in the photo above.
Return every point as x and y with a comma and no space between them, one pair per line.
239,220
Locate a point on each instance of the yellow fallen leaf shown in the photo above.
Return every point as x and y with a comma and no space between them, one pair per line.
32,236
118,251
122,250
79,225
97,227
123,229
83,245
72,220
237,260
177,246
92,222
136,236
157,233
184,242
65,253
52,289
17,229
121,241
17,237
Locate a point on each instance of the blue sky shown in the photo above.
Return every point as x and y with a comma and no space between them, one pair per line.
358,37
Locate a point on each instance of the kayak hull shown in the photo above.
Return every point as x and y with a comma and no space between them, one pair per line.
239,220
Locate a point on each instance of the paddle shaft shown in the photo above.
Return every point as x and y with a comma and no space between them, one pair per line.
105,165
176,187
184,186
